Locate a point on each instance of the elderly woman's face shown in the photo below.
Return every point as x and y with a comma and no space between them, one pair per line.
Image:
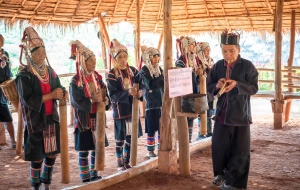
122,59
90,64
39,55
207,52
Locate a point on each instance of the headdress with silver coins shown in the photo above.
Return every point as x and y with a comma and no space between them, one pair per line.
147,56
115,48
81,54
31,41
183,44
230,38
206,62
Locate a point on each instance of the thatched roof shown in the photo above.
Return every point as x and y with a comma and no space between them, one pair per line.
189,16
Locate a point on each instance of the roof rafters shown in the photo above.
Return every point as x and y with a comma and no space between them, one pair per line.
187,16
142,9
1,2
270,7
78,5
225,15
98,4
129,10
23,2
158,15
207,11
247,12
13,18
56,5
114,12
38,5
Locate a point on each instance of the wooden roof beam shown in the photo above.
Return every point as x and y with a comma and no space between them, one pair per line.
270,7
13,18
56,5
211,26
23,2
142,9
98,4
38,5
129,10
1,2
225,15
115,10
187,16
206,7
247,12
78,5
158,15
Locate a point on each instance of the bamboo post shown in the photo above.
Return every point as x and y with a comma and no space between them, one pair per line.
167,159
183,139
278,98
100,133
138,32
64,146
135,128
19,132
103,48
2,134
290,64
203,117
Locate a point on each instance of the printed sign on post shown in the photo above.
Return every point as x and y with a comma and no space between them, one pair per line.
180,82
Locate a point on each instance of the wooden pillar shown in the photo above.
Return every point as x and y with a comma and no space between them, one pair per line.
2,134
183,139
19,132
64,145
135,128
167,159
100,133
290,63
104,38
103,48
160,40
203,117
278,98
138,33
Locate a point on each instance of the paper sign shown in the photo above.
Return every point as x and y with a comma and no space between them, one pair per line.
180,82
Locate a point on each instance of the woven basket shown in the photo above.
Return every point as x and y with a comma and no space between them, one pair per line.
9,89
194,103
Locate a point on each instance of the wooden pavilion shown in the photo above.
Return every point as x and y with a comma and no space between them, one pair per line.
178,17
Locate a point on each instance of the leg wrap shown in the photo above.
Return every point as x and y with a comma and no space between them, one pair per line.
190,132
119,153
35,172
199,124
126,153
83,164
151,141
48,168
93,172
158,141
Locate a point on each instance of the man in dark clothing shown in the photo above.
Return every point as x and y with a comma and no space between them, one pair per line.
231,136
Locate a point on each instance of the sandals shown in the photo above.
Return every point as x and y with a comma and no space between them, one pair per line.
228,187
151,154
96,178
122,168
219,180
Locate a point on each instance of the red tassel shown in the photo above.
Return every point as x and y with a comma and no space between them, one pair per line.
73,51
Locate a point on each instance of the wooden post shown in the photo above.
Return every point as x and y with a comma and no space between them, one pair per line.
135,128
167,159
103,48
203,117
2,134
160,40
100,133
19,132
290,64
104,31
71,115
183,138
138,33
278,98
64,146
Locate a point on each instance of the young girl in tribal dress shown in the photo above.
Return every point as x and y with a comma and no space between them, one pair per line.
203,51
38,87
152,84
188,58
84,95
119,83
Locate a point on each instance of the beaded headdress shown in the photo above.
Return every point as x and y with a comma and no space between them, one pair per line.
230,38
200,48
183,44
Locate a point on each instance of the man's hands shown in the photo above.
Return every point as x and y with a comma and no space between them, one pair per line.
230,84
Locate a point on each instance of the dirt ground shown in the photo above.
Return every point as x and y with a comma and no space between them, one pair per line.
275,159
